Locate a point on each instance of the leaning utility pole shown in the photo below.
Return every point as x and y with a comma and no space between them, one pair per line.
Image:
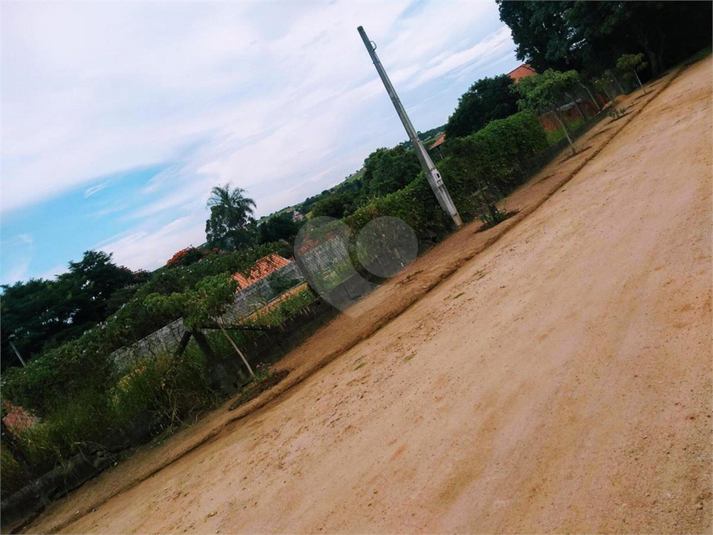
429,169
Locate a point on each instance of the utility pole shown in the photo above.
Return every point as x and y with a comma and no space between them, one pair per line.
17,353
429,168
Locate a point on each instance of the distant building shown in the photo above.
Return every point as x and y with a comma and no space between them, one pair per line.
523,71
296,216
261,269
439,141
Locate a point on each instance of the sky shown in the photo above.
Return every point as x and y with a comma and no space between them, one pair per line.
117,119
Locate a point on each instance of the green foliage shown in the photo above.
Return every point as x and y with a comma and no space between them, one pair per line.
13,476
486,100
276,228
498,155
414,204
333,205
41,314
170,388
198,306
543,91
591,35
84,363
58,374
231,225
285,308
631,62
80,420
389,170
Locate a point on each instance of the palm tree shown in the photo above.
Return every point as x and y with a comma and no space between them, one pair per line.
230,224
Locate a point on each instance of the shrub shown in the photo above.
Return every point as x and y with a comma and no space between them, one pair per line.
170,386
498,156
64,431
13,476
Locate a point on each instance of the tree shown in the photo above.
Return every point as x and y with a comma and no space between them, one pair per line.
185,257
332,205
543,34
231,223
201,307
389,170
544,92
487,99
26,319
41,314
276,228
86,288
630,64
591,35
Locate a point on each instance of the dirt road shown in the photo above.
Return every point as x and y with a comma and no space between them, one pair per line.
559,381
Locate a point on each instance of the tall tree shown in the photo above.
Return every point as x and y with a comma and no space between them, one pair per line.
589,36
388,170
27,320
486,100
545,93
40,314
87,287
279,227
332,205
630,64
542,34
231,224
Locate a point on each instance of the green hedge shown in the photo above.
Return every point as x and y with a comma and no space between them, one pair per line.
500,155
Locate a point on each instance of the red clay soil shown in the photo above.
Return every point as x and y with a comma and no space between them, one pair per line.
550,374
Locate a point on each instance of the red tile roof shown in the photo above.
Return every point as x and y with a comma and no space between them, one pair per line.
261,269
438,141
523,71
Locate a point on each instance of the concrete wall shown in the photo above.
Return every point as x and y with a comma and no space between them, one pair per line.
326,259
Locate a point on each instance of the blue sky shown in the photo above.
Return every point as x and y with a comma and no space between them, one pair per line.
118,118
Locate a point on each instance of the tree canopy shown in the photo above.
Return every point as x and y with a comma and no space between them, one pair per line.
230,226
276,228
546,91
39,313
332,205
486,100
543,91
589,36
388,170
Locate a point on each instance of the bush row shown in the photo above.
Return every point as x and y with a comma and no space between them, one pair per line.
499,157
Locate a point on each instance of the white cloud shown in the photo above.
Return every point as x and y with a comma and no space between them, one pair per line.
95,189
147,248
278,98
15,266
